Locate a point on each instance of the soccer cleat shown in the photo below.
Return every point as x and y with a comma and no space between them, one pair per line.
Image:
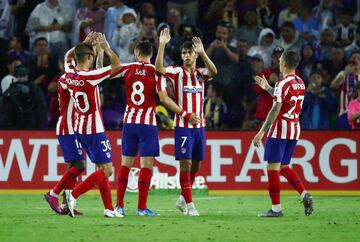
181,205
112,214
64,208
191,210
271,214
308,204
120,210
146,212
71,202
53,202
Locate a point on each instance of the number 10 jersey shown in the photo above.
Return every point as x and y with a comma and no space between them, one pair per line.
142,83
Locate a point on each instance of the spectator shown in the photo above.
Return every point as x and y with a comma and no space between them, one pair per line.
147,32
308,60
6,29
42,65
88,18
266,18
324,14
231,14
24,104
289,14
345,31
325,44
265,100
12,62
354,109
250,30
289,37
222,54
266,44
187,8
345,83
173,19
355,46
125,34
111,17
17,49
50,20
306,24
319,104
215,109
337,61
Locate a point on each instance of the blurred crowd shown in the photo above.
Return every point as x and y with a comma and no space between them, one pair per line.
243,39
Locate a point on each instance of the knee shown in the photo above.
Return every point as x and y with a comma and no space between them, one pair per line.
185,165
80,165
108,170
195,167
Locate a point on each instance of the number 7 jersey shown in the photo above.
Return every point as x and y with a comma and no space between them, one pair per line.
142,83
290,92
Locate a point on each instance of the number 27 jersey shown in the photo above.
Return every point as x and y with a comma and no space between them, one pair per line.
290,92
142,83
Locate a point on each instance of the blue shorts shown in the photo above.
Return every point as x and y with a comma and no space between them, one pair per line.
71,148
97,147
141,137
190,143
279,150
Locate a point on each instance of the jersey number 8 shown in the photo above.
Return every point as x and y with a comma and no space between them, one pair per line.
137,90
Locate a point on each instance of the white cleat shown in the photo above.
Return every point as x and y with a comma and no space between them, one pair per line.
191,210
112,214
71,202
181,205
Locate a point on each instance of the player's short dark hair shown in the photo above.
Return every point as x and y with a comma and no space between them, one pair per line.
40,39
187,45
82,50
291,59
145,48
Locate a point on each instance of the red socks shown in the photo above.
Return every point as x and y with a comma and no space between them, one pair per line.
121,184
67,181
274,186
98,178
293,178
144,185
192,178
185,183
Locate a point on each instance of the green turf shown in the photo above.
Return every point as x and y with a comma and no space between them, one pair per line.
28,218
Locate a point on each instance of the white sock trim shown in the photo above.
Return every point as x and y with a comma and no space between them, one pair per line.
276,207
302,195
52,193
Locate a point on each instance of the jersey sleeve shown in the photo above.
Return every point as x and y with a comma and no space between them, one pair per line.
94,77
121,72
160,82
172,72
278,92
205,73
69,66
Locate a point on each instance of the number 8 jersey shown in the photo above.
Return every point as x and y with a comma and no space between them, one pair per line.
290,92
142,83
84,91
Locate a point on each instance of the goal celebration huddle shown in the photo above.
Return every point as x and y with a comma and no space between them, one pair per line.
80,127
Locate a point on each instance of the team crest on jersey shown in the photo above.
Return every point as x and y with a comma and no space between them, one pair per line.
80,152
183,150
199,77
108,155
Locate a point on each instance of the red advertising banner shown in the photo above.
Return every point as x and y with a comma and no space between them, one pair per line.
326,160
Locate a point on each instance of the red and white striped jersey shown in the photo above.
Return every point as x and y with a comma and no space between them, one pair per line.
84,91
189,92
142,83
290,92
65,122
345,96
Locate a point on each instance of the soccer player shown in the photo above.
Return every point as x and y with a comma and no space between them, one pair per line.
140,130
284,131
70,146
82,83
188,82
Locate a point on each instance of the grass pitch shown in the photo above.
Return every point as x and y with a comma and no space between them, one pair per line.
29,218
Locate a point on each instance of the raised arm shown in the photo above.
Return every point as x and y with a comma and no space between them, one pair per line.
114,59
264,84
163,40
199,48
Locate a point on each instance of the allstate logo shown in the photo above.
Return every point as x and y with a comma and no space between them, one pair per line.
133,180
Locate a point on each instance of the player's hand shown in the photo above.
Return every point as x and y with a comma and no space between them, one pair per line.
198,45
91,38
257,139
194,119
262,82
101,40
164,36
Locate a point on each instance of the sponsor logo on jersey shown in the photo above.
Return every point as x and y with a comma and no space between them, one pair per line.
193,89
